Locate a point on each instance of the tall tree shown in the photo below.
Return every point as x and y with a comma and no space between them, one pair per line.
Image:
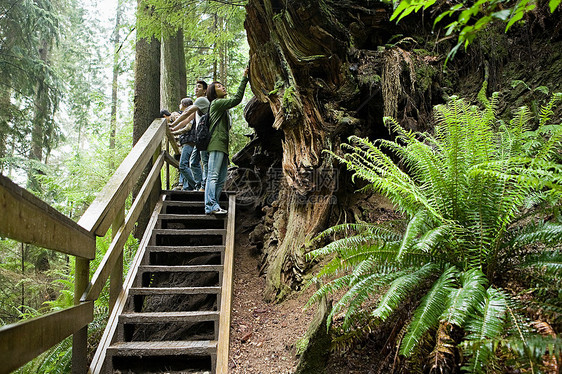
43,120
173,85
114,82
30,89
147,90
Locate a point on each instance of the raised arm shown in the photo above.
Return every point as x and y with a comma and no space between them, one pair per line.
223,104
183,126
186,113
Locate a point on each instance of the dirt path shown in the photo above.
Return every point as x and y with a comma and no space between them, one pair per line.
263,336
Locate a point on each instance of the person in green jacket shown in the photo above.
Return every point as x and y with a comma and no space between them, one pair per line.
219,118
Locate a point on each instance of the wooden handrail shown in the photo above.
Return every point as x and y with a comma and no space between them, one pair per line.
226,294
116,247
101,213
37,221
28,219
22,342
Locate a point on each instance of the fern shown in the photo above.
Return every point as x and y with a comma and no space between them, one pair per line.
400,288
428,312
484,329
468,194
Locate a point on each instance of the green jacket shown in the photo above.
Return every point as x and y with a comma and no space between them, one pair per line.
219,111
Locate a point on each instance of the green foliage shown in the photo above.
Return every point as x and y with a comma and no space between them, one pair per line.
213,33
468,18
72,182
214,43
464,192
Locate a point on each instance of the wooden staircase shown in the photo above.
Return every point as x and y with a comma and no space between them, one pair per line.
173,314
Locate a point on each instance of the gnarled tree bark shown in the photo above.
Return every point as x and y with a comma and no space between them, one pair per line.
323,70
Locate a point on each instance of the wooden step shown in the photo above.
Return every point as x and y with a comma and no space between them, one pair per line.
179,268
175,232
165,317
185,248
189,217
182,204
163,348
152,291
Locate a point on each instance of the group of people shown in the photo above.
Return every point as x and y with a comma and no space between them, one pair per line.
205,170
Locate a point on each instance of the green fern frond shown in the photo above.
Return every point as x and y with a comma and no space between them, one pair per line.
433,240
356,229
400,288
484,329
542,232
547,262
363,288
428,312
328,288
548,110
413,230
534,348
463,301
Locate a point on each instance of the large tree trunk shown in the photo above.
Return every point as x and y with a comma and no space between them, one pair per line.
173,87
324,78
146,103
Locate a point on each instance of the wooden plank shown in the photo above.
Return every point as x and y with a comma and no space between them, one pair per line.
108,333
22,342
179,268
164,348
174,232
28,219
226,294
155,291
172,141
171,161
116,247
101,213
190,217
165,317
186,249
188,204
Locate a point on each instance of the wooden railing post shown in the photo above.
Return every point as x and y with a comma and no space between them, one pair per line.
167,165
155,195
80,338
116,277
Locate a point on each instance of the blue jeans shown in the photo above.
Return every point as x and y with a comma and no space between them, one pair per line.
199,175
185,171
218,166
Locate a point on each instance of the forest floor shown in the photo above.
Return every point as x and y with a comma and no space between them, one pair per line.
263,335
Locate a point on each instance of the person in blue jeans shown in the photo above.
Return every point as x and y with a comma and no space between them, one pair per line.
219,118
181,124
198,163
186,131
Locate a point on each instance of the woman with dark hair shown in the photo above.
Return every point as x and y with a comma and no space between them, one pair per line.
219,124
